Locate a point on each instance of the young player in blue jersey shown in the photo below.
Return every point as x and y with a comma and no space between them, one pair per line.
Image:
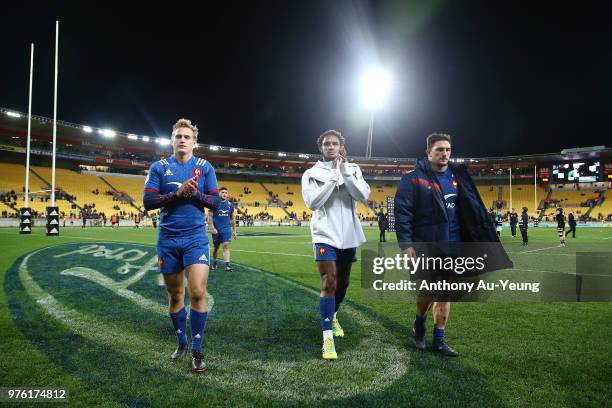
181,186
222,225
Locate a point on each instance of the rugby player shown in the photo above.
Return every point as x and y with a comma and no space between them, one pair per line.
438,202
222,225
331,189
181,186
560,218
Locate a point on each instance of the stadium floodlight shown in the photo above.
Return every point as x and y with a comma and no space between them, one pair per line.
146,138
214,148
164,141
108,133
281,154
304,156
375,86
234,150
13,114
87,129
132,136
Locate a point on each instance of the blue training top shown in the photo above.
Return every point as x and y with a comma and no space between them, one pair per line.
222,216
451,193
184,216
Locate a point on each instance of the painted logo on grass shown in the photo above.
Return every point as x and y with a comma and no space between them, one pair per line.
99,310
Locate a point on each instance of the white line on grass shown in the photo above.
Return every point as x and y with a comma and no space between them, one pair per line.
536,250
271,253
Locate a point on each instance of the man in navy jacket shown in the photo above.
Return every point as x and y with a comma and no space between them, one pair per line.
438,202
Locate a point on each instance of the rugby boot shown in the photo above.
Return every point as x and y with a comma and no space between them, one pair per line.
444,349
197,363
181,351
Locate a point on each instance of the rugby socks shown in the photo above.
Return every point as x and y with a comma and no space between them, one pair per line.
339,298
419,325
438,335
327,307
179,321
198,324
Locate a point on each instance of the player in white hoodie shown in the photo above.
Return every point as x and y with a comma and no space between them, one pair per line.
331,189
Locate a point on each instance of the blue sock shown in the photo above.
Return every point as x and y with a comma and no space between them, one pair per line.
198,323
339,298
327,306
438,335
179,321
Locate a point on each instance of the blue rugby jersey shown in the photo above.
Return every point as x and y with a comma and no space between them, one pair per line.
222,216
180,215
451,193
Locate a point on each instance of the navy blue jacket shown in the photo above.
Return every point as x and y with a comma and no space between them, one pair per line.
420,212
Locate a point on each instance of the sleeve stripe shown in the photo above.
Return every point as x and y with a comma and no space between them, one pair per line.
151,190
216,190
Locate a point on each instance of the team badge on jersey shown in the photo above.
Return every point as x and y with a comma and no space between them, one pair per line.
197,172
454,183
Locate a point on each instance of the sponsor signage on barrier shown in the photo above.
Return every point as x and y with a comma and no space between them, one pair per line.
52,220
25,224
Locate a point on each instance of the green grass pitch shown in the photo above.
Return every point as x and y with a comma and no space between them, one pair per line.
73,316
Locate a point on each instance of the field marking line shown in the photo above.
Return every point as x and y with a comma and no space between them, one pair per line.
271,253
539,249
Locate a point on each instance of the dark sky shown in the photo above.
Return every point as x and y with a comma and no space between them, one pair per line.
502,78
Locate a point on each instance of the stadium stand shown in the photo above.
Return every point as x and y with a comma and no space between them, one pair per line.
523,196
252,199
265,184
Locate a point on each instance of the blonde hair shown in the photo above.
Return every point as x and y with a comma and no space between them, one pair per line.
185,123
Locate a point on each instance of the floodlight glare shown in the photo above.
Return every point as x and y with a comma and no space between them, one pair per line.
132,136
214,148
13,114
233,150
109,133
374,88
164,141
87,129
145,138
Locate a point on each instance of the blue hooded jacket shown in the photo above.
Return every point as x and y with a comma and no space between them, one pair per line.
420,212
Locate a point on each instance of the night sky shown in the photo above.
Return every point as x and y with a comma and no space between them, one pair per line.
503,78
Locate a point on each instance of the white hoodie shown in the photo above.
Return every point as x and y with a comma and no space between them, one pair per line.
332,195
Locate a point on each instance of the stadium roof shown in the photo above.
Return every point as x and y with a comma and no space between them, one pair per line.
14,124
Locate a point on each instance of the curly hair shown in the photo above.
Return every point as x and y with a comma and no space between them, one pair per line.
330,132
